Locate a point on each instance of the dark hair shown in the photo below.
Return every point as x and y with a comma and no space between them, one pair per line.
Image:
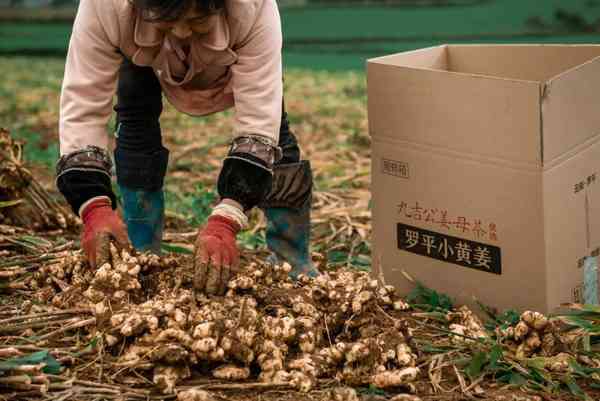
170,10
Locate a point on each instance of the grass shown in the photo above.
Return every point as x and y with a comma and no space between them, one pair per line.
494,17
328,111
29,105
328,115
390,29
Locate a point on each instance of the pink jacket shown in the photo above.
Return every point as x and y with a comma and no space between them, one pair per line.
237,63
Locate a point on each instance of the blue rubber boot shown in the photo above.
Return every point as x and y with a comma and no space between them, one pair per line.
288,239
144,214
287,209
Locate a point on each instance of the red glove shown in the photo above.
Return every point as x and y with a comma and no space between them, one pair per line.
101,224
216,254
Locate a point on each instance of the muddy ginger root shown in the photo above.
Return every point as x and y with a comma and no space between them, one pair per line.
195,395
304,309
549,344
335,354
362,298
357,352
405,356
308,342
505,333
279,328
246,336
167,377
234,348
231,372
466,318
134,355
242,283
343,394
460,331
305,364
110,339
170,353
535,320
133,325
170,334
400,305
301,381
559,363
405,397
204,330
395,378
521,330
204,346
533,341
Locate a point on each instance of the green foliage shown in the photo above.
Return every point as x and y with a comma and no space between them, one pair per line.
251,240
88,348
10,203
359,259
35,151
32,243
488,361
509,317
429,298
513,378
372,390
52,365
586,317
436,350
476,365
196,206
574,388
166,247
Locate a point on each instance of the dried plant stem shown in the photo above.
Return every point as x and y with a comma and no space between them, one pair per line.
239,386
98,385
75,325
32,325
25,262
77,311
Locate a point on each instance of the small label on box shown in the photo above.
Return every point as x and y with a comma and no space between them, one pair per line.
585,182
395,168
578,294
458,251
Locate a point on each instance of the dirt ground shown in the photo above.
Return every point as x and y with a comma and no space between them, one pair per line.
94,325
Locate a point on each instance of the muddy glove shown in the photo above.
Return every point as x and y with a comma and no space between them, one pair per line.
101,224
216,254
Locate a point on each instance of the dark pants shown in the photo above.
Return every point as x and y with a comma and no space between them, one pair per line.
140,156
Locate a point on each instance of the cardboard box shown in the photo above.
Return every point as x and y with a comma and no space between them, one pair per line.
486,170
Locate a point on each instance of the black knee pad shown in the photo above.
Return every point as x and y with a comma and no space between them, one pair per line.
138,170
288,142
291,187
139,106
84,174
138,86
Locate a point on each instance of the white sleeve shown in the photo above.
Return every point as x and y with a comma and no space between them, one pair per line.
257,77
89,84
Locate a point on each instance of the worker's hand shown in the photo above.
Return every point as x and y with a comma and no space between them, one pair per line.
216,254
101,225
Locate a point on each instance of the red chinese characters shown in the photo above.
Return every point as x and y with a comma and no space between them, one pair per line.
441,218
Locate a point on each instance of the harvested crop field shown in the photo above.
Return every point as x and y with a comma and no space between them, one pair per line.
134,329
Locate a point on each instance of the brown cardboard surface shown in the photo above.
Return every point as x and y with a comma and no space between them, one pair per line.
571,109
503,113
433,58
466,138
527,62
477,191
571,215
